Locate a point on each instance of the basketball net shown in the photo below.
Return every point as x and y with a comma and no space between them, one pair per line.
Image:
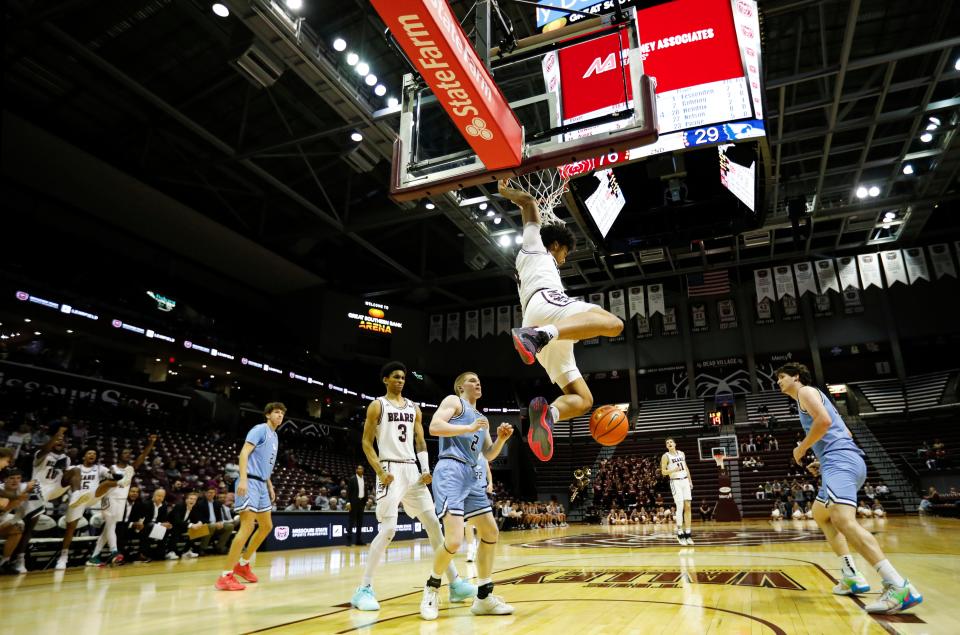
719,459
548,187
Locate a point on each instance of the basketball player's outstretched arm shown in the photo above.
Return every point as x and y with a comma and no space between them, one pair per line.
45,449
146,452
809,398
369,434
450,407
529,212
491,450
420,445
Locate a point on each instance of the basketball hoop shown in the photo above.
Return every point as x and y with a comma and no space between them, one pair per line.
719,457
548,187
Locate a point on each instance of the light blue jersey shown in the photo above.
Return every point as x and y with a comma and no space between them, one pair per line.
465,447
481,471
264,455
837,437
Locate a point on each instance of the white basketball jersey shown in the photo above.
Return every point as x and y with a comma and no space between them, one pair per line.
123,487
90,477
395,431
45,471
536,267
679,461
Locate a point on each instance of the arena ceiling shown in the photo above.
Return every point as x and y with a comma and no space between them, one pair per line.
162,91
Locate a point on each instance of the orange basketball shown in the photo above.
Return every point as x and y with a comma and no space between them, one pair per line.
609,425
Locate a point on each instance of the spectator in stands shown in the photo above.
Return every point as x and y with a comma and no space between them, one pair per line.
751,447
772,442
231,471
299,504
320,502
864,510
927,502
760,494
20,439
6,457
869,491
706,512
777,490
808,511
931,461
79,433
878,511
882,490
775,513
182,521
809,491
173,470
796,513
333,505
219,523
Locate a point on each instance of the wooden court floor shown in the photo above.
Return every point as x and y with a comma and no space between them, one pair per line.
752,577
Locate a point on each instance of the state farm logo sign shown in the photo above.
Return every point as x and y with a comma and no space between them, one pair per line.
281,532
478,128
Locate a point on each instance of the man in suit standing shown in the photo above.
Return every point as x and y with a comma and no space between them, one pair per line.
211,513
357,494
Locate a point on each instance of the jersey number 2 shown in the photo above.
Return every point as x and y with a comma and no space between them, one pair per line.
403,433
473,444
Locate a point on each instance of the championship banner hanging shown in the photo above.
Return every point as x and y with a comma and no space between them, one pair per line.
791,311
670,321
827,276
822,307
637,302
643,326
698,317
916,264
617,304
727,312
655,296
597,298
806,283
848,273
764,283
893,267
517,316
436,328
851,301
765,311
471,324
486,321
870,271
503,319
453,326
783,276
941,260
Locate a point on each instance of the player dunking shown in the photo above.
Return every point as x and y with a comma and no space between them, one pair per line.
673,464
255,496
464,435
842,473
552,322
397,425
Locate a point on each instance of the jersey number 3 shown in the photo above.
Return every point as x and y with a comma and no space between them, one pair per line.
403,433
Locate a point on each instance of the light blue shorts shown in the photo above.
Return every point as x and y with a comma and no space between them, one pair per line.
456,490
842,474
257,498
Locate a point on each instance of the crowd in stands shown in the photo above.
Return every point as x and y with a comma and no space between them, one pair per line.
934,455
943,504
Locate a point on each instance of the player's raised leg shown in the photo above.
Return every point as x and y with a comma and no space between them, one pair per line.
851,581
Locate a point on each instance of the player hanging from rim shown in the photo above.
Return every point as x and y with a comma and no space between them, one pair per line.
673,464
842,473
89,482
552,322
464,434
255,496
397,425
116,500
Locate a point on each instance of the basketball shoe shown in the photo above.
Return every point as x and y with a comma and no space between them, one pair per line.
364,599
491,605
227,582
528,341
430,603
243,571
851,585
895,599
540,434
461,590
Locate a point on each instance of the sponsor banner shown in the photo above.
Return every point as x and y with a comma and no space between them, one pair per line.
941,260
847,266
698,318
893,267
503,319
718,376
655,299
472,324
308,530
453,326
670,321
517,316
870,270
791,310
727,311
642,326
765,311
767,365
618,304
806,283
436,328
763,279
783,276
637,301
916,264
822,306
851,301
827,276
746,19
486,321
79,390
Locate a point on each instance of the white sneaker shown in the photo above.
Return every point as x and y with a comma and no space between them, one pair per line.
895,599
689,540
62,562
681,540
430,604
190,554
491,605
172,556
19,565
472,552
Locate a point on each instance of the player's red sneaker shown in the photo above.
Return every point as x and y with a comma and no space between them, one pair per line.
540,434
227,582
244,572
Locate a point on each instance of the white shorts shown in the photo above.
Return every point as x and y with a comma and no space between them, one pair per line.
548,307
681,490
76,513
53,491
406,487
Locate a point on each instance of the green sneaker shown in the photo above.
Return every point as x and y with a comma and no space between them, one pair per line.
851,586
94,561
461,591
895,599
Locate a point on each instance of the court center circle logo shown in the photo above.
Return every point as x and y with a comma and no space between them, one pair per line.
478,128
639,540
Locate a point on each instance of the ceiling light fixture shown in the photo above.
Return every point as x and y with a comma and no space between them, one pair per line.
874,191
518,240
908,169
380,90
371,79
220,10
352,59
504,241
926,137
393,102
340,44
363,68
483,206
491,213
430,205
356,137
861,192
294,5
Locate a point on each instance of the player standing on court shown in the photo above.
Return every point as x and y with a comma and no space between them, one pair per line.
255,496
397,425
464,435
552,322
673,464
842,473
